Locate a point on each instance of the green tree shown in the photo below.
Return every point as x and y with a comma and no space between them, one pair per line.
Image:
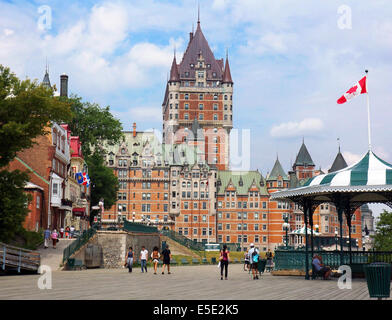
383,236
104,184
26,111
93,125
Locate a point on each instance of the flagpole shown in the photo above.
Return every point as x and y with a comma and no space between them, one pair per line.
368,109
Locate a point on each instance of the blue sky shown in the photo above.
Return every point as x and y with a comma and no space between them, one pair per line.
290,62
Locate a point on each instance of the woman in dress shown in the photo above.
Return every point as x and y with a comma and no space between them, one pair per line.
129,259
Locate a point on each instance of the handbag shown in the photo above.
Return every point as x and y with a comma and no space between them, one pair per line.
219,264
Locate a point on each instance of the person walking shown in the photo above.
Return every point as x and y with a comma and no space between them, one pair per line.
72,229
54,237
129,259
67,232
143,258
46,238
166,259
61,232
246,262
254,258
224,261
155,258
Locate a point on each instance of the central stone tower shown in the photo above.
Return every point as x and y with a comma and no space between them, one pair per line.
198,104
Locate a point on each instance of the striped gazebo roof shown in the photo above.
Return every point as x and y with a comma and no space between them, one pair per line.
369,175
302,231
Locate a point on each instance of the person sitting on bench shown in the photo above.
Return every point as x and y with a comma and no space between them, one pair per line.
320,268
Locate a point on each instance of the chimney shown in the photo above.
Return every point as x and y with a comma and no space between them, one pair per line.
63,85
190,36
134,129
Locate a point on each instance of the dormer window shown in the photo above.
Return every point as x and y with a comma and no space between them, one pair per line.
208,66
214,74
186,74
122,151
192,65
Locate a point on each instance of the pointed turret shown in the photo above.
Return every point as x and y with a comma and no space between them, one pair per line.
339,163
303,157
46,81
227,74
174,76
277,171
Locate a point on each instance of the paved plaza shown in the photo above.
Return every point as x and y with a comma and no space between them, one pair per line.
185,283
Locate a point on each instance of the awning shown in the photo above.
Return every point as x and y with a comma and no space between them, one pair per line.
79,211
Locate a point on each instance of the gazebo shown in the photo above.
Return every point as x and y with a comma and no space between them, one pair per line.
367,181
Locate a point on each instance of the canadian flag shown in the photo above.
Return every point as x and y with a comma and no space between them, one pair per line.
357,89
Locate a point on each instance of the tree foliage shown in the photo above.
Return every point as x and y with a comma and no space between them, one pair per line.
93,125
383,236
104,182
26,111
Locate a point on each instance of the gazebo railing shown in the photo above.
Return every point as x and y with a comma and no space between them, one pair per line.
295,259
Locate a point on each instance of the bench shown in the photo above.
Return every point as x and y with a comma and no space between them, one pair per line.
173,261
204,261
236,260
184,261
195,261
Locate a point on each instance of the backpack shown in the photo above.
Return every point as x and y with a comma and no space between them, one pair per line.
255,256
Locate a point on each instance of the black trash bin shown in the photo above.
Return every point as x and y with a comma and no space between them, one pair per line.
213,260
378,277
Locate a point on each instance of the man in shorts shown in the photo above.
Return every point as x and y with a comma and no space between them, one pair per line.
254,260
166,254
246,262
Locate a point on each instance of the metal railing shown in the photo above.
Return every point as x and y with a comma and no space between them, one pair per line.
138,227
295,259
18,258
78,243
198,246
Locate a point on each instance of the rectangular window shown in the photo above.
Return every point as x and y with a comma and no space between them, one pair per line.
55,188
38,200
219,226
186,218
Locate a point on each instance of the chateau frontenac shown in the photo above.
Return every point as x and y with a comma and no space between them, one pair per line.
182,181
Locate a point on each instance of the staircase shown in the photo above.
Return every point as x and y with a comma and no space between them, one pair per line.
54,257
178,249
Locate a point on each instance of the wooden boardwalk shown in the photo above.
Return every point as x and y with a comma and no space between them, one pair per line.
185,283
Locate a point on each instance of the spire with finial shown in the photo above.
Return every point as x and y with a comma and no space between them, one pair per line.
227,74
46,80
198,12
174,75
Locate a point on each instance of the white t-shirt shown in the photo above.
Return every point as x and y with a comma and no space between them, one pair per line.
250,254
144,254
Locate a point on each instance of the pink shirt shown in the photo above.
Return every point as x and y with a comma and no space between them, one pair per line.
54,235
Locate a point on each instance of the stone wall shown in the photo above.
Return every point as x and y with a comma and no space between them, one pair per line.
115,244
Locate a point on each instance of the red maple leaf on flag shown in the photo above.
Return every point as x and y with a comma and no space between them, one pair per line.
353,89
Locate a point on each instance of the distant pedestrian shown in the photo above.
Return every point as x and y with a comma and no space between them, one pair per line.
224,261
143,259
129,259
166,259
254,258
269,260
246,262
67,232
61,232
47,237
72,229
155,258
54,236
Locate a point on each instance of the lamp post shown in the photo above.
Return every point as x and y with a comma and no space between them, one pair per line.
318,237
286,227
336,240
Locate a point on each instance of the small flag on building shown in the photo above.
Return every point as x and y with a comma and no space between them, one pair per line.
83,178
357,89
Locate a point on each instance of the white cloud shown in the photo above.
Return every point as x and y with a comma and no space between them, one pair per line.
8,32
296,129
351,158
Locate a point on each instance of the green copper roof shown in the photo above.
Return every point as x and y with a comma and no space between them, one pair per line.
303,157
248,178
277,171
